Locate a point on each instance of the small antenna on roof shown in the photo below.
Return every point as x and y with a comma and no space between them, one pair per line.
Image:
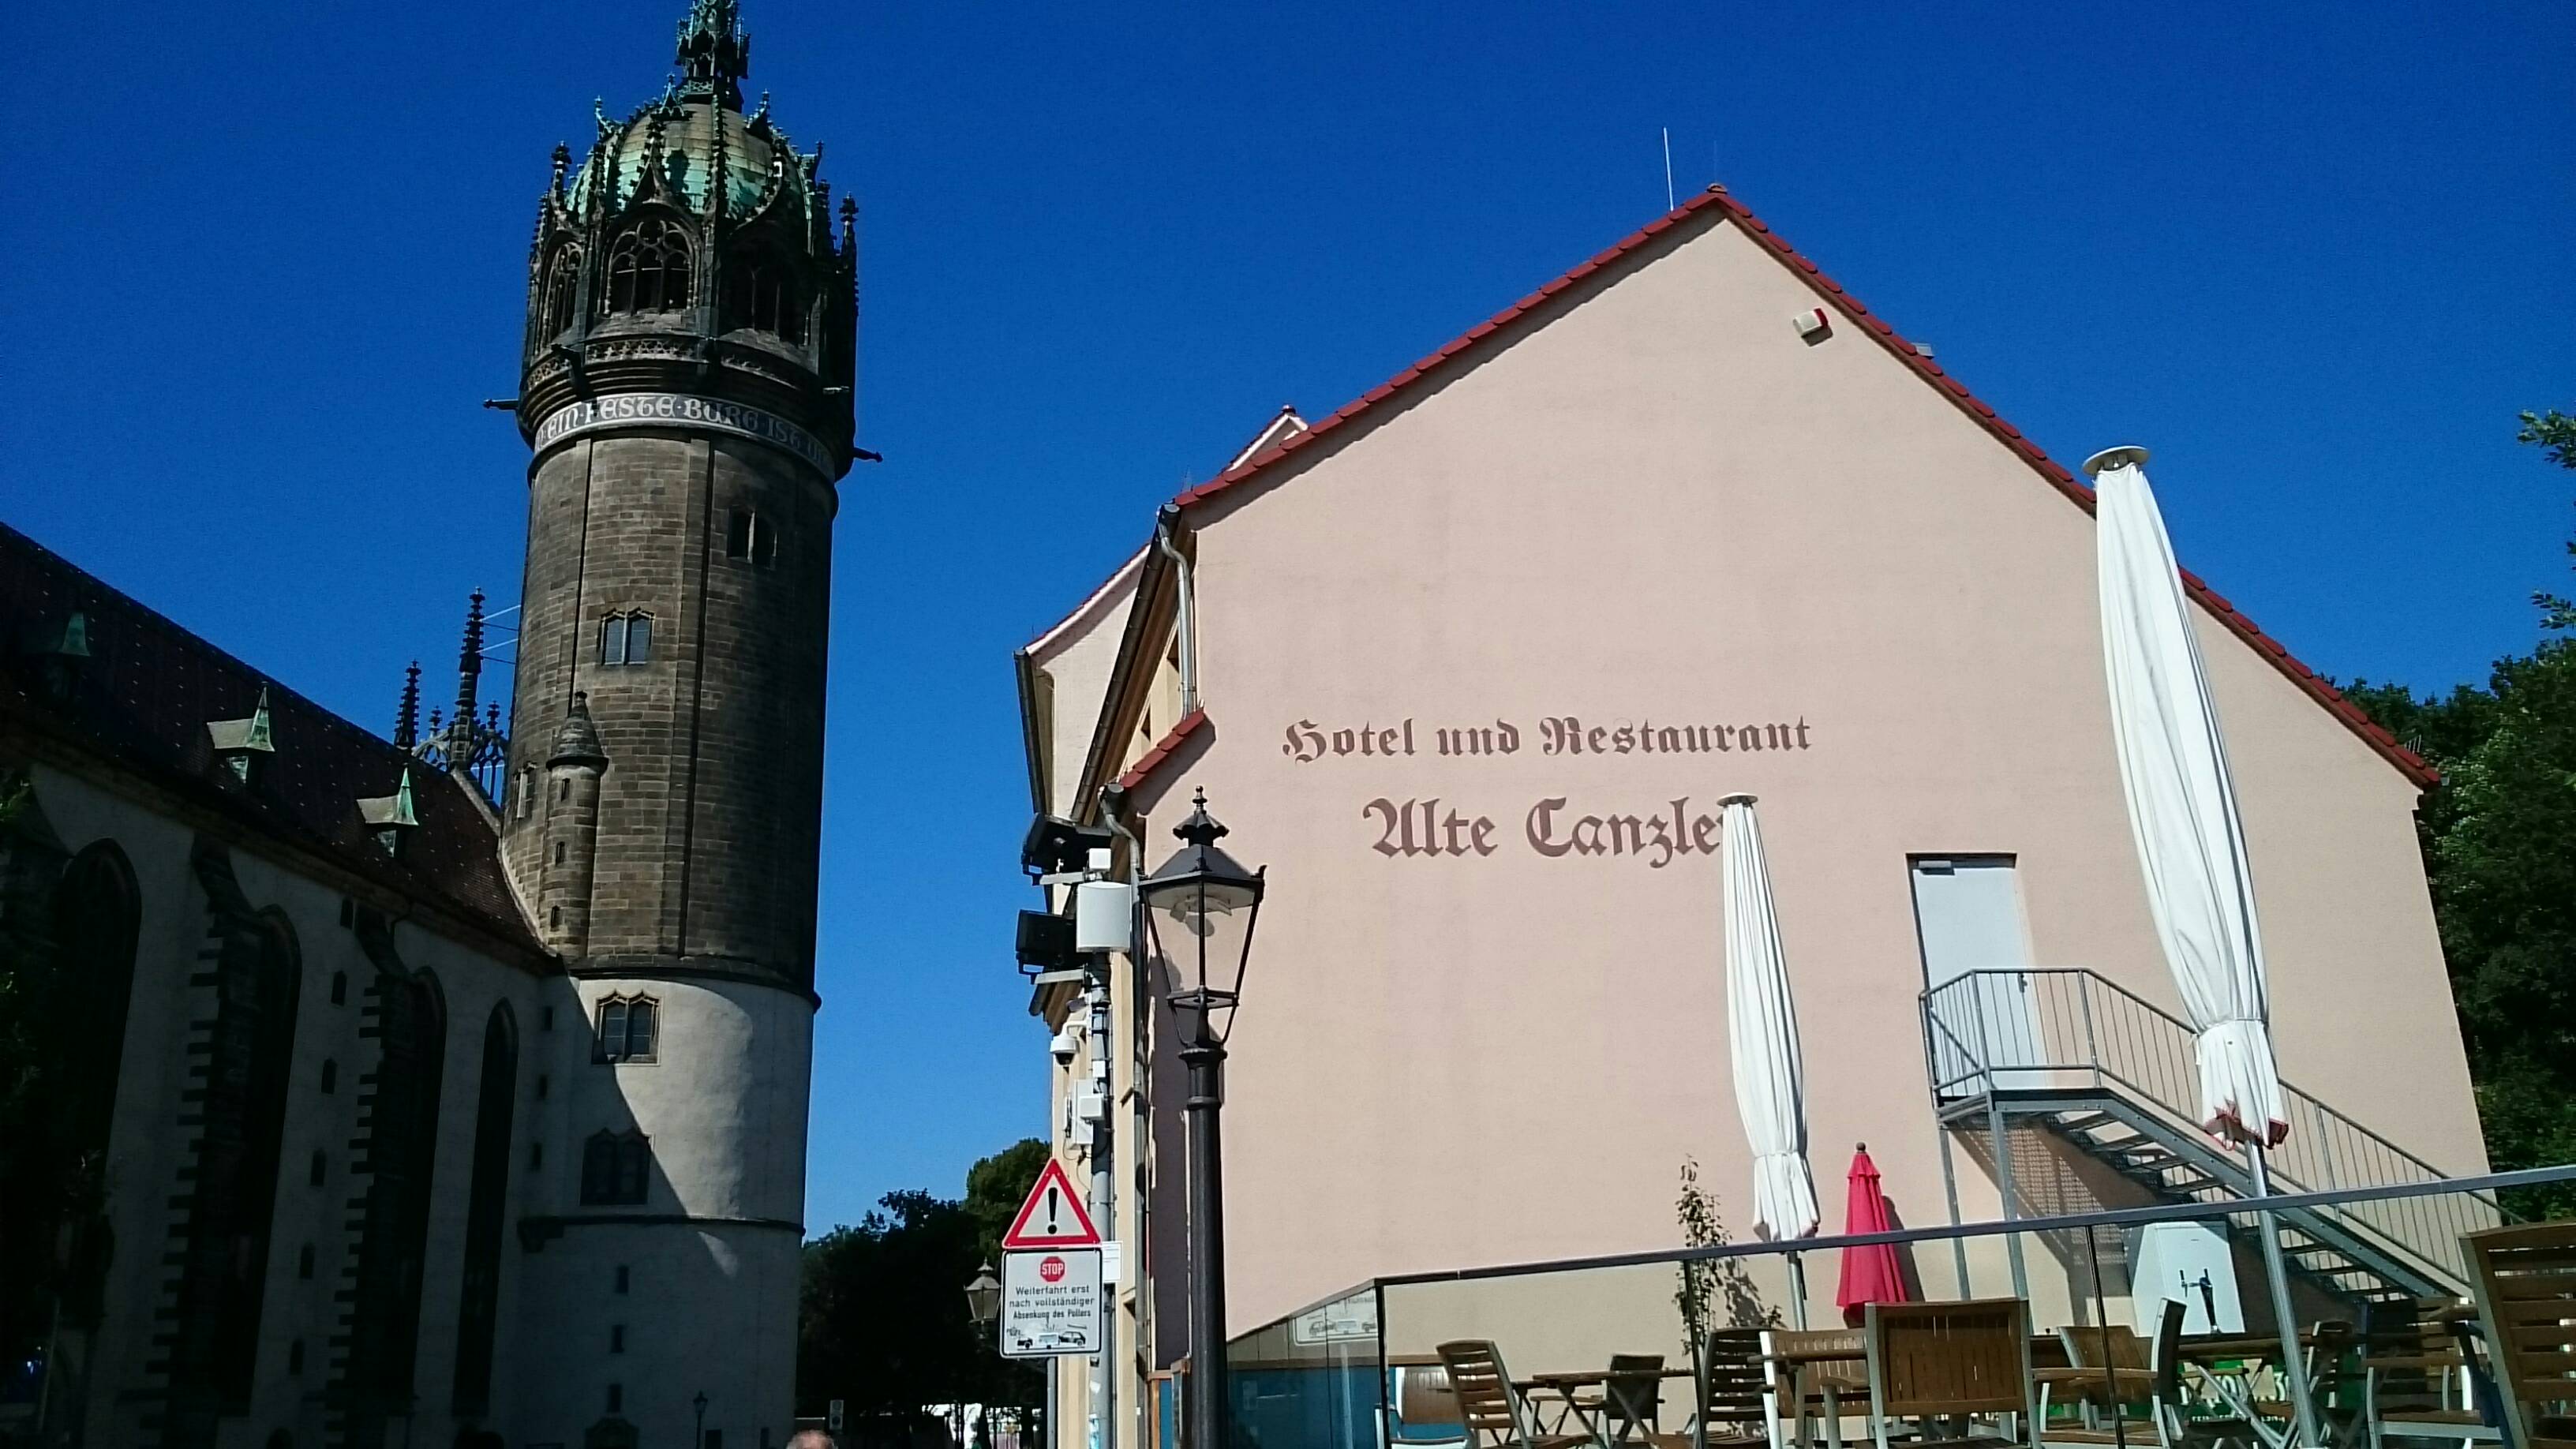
1668,169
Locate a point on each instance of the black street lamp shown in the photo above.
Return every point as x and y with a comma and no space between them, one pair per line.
1199,912
984,1297
700,1404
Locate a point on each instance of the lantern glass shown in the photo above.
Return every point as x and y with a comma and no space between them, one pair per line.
984,1296
1200,908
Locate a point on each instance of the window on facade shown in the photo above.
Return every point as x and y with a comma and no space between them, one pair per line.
294,1365
527,792
478,1304
616,1397
330,1076
339,988
648,269
617,1338
304,1261
625,638
320,1169
543,1082
616,1168
624,1277
750,538
760,293
554,917
563,281
559,852
627,1029
536,1156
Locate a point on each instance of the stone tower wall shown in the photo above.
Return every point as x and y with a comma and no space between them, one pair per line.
709,815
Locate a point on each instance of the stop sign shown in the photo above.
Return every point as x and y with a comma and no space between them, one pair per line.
1051,1268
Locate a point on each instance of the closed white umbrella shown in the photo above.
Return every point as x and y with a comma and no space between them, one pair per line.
1762,1040
2191,843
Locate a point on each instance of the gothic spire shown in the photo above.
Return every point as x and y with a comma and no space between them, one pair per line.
469,661
407,714
714,53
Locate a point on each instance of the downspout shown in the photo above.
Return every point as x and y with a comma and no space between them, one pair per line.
1113,811
1185,624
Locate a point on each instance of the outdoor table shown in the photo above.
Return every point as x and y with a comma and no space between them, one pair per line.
1580,1408
2206,1352
1797,1359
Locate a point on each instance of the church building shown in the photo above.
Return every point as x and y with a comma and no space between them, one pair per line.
450,1088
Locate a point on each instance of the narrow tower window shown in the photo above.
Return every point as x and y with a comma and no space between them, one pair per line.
616,1167
627,1027
626,638
563,279
750,537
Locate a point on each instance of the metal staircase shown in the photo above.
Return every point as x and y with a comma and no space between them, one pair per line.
2117,1078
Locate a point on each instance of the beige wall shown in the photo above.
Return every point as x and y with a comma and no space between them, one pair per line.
1662,505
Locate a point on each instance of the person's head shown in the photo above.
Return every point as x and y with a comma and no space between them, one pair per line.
811,1439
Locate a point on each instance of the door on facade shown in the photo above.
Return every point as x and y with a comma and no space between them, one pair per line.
1967,913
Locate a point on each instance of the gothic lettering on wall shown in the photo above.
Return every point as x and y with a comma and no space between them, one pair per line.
1554,827
1307,742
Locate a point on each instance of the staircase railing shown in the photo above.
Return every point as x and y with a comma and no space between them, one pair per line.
2054,1031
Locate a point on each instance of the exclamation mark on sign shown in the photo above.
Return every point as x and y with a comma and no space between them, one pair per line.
1052,1230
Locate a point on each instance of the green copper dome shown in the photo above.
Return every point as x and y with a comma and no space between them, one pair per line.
686,142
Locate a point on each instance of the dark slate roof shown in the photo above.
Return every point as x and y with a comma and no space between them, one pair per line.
142,702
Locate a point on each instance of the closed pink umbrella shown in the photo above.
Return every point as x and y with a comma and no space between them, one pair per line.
1871,1274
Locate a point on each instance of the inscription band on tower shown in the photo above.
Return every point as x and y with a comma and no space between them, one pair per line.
680,409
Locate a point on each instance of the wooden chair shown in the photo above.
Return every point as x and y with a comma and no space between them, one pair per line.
1632,1400
2105,1367
1955,1361
2525,1281
1426,1411
1495,1413
2415,1374
2171,1422
1734,1406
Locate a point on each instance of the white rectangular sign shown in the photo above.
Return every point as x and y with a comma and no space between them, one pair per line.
1051,1302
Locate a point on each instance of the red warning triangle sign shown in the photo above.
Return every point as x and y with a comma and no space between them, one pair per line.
1053,1215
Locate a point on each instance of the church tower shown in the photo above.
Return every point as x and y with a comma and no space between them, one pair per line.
685,388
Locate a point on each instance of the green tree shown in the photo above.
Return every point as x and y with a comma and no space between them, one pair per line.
2499,837
883,1322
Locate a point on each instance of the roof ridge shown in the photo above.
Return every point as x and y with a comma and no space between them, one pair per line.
1718,199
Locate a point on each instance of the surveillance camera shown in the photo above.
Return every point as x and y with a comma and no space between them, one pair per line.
1063,1047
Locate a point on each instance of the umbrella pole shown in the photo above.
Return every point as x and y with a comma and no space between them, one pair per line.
2294,1364
1798,1290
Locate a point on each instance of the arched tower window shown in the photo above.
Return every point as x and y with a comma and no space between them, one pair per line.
761,293
485,1203
648,268
563,285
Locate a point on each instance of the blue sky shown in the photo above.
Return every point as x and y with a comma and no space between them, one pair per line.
265,261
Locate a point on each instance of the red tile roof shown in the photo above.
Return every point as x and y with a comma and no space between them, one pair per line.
1164,748
142,703
1727,207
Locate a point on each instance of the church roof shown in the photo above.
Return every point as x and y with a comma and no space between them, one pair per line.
141,701
1716,204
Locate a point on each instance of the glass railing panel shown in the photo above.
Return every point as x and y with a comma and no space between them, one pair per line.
1313,1380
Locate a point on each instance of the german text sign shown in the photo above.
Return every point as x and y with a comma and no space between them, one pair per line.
1051,1302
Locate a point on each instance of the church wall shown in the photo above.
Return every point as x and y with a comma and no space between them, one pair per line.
150,1148
1662,505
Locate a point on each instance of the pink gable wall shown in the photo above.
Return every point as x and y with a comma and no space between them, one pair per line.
1661,505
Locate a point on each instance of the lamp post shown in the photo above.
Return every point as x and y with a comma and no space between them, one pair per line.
983,1305
1199,911
984,1297
700,1404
